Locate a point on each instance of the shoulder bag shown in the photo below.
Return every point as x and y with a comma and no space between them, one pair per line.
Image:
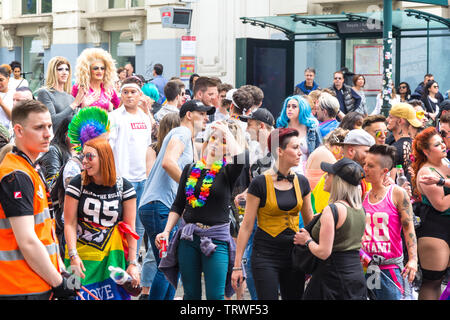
302,258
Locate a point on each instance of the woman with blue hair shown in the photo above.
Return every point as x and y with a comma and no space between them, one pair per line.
296,114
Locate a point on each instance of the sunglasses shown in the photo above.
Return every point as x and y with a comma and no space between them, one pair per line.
88,156
443,133
403,87
63,69
420,115
379,132
435,87
97,68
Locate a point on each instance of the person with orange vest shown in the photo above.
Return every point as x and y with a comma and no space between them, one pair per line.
29,256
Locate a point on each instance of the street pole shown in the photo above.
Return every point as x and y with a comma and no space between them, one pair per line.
387,55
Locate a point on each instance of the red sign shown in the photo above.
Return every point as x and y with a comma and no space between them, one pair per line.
188,38
166,14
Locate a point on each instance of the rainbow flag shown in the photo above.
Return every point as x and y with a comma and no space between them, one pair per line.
99,248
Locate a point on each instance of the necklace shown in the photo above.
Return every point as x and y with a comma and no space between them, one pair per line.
206,185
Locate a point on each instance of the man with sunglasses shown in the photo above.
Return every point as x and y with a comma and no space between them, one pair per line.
401,117
376,126
348,99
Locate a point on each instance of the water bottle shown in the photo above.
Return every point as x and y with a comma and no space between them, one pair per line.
123,279
401,178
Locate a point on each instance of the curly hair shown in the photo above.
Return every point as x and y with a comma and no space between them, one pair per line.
421,142
83,68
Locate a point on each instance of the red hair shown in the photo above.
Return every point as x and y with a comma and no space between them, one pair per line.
106,160
421,142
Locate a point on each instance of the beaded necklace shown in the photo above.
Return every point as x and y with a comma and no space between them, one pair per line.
206,185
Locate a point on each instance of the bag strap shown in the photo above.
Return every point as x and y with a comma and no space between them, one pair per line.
334,210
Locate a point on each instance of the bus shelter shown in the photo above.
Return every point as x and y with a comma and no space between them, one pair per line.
348,40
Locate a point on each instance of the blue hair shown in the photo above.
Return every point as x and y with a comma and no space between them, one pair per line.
305,116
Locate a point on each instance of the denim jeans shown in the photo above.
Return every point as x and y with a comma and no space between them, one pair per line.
248,266
154,218
193,262
388,289
139,188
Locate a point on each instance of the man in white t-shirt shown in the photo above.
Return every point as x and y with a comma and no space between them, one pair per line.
130,140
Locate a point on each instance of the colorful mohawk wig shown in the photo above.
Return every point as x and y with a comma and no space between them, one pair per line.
88,124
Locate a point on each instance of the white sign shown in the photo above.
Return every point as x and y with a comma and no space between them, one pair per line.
188,46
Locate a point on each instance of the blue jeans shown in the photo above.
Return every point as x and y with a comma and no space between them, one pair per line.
248,265
154,218
388,290
193,262
139,188
149,268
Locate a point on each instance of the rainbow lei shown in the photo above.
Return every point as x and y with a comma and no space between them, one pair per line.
206,185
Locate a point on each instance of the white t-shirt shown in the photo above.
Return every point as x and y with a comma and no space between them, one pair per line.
129,137
7,99
14,84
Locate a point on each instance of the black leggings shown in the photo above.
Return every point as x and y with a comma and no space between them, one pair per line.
272,271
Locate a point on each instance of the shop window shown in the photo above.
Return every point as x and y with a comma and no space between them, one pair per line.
122,48
33,61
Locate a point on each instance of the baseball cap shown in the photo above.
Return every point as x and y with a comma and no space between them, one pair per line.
229,95
260,114
406,111
359,137
348,170
195,105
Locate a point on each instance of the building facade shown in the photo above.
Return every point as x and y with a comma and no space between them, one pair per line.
33,31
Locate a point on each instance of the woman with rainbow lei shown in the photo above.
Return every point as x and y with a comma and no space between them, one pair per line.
203,242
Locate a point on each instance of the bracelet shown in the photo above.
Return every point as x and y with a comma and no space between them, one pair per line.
441,182
72,252
72,257
237,268
307,243
133,262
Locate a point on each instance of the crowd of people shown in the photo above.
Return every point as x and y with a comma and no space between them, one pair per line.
177,185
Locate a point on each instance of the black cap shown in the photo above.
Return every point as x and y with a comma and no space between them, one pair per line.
195,105
445,105
348,170
260,114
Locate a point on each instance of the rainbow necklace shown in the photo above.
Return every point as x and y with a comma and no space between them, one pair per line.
206,185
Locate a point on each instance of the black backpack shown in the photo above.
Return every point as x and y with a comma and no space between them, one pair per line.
57,193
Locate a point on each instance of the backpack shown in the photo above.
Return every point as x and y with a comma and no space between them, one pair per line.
57,193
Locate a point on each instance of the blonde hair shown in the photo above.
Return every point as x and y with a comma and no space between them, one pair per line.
341,190
235,129
51,81
83,69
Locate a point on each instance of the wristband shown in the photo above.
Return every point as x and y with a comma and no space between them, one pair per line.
237,268
441,182
307,243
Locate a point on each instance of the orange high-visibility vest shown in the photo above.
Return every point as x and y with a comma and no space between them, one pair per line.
16,276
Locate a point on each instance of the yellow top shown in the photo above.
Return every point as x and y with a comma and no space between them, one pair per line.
271,218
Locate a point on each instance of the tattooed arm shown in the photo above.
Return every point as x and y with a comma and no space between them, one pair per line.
404,207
